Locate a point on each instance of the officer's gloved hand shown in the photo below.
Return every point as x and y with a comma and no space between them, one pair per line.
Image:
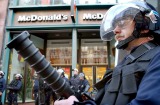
86,96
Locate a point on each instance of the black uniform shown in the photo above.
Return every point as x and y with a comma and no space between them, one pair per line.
133,80
83,86
14,87
2,87
35,90
74,82
48,93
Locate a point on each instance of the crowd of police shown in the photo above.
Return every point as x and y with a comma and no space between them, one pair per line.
13,88
42,92
44,95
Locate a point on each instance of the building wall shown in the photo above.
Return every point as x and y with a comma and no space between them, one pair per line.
3,14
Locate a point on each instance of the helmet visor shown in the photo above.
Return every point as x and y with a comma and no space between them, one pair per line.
119,15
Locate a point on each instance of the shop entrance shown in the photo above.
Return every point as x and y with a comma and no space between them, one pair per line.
94,73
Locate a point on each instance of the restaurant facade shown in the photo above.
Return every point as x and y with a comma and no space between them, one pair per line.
66,33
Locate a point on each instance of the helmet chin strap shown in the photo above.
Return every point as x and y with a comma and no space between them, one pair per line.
124,43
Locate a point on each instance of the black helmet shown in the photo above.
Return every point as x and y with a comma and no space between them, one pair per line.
144,15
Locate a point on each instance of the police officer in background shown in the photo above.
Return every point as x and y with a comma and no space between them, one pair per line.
2,85
36,88
74,81
135,80
14,87
62,74
83,84
48,93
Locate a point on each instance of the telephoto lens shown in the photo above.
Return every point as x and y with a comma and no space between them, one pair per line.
25,47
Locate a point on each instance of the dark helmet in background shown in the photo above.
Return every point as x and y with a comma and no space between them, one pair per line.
81,75
142,13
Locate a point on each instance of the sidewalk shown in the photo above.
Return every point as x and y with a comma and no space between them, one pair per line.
24,103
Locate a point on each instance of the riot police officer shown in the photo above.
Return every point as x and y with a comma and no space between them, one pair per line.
14,87
62,74
83,84
135,80
74,81
48,93
2,85
36,88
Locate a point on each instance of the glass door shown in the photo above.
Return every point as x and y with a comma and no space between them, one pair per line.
100,70
88,71
94,74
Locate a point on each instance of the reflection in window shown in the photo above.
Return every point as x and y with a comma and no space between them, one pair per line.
66,1
93,55
11,2
106,1
26,2
16,65
57,2
88,71
60,55
100,71
123,1
45,2
87,1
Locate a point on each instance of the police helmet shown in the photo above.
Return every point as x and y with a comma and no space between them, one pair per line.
75,69
144,15
81,75
60,71
19,76
2,73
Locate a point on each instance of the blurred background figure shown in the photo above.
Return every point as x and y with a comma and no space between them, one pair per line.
35,88
62,74
2,85
48,93
74,81
14,87
83,86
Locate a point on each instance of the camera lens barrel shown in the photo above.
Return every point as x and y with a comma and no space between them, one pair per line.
25,47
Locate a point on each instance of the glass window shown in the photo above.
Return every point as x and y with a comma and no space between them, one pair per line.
43,2
26,2
88,71
60,55
106,1
87,1
11,2
123,1
93,52
16,66
100,71
57,2
93,55
66,1
59,52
